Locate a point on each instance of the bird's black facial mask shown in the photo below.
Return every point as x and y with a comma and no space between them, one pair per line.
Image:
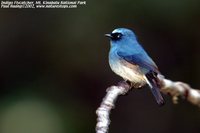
116,36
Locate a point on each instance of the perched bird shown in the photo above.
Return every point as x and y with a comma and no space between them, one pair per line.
129,60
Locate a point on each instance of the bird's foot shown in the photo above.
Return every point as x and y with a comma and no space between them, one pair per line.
125,84
136,85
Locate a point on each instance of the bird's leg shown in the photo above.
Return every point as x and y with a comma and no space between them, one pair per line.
128,84
131,84
135,85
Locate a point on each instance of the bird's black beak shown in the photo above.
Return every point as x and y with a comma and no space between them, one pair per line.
109,36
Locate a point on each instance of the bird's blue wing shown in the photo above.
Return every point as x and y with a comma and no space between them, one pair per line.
142,60
148,67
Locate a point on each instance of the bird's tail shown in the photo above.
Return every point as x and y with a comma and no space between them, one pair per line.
153,82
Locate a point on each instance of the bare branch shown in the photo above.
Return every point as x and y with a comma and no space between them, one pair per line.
107,104
180,89
175,89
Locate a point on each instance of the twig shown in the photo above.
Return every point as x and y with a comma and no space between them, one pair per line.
175,89
107,104
180,89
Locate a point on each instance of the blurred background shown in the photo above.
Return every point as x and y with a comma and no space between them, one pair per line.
54,66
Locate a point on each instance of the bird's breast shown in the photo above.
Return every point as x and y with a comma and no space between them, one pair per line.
126,70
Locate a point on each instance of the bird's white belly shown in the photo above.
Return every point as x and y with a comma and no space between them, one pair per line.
132,74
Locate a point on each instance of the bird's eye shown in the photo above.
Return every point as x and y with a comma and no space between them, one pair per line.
116,36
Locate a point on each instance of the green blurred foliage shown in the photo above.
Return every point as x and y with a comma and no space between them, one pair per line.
54,66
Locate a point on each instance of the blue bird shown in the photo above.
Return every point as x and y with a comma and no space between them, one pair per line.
129,60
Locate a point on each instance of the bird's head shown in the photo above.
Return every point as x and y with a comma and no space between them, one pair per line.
121,36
